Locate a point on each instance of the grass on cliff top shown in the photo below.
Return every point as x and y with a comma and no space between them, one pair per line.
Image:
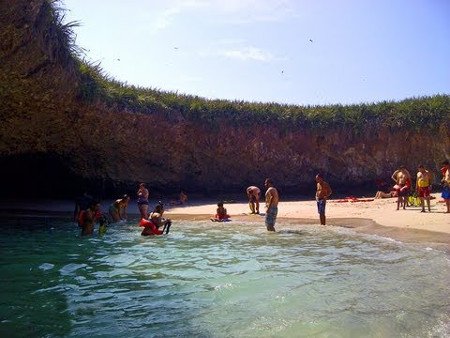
413,113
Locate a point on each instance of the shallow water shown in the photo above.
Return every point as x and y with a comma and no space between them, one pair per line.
227,280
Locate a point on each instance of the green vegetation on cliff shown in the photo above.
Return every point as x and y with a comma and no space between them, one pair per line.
66,125
412,113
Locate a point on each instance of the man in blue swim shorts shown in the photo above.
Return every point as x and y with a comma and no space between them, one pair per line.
272,199
322,193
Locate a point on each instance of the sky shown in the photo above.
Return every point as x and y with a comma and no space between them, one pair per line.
304,52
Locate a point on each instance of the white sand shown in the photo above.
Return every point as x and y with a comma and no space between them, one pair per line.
378,216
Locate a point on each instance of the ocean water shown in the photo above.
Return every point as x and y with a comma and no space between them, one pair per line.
218,280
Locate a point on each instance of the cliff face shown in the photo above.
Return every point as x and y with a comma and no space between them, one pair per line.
53,142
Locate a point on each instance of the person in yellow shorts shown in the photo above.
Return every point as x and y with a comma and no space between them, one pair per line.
423,187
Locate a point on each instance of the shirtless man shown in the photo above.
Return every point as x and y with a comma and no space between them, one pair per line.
272,199
402,179
445,170
423,187
253,199
322,193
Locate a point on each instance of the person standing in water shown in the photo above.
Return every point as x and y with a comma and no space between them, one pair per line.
322,193
272,199
142,200
88,217
253,199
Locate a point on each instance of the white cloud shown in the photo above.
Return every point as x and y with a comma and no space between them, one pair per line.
230,11
248,54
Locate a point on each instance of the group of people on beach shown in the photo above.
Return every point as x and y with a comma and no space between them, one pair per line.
87,209
424,182
272,198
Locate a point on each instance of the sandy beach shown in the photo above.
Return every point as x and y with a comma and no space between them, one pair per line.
378,216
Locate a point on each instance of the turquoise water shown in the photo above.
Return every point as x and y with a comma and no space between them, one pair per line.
227,280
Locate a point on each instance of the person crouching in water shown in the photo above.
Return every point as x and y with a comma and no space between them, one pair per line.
155,221
221,214
118,209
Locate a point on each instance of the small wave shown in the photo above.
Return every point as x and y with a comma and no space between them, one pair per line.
70,268
289,231
46,266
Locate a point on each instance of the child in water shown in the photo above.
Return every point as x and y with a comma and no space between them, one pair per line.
221,214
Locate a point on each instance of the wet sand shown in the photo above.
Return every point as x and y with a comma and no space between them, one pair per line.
378,217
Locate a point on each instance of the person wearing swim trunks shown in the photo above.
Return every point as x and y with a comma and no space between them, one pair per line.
253,199
142,200
221,214
323,191
402,179
272,199
423,187
445,170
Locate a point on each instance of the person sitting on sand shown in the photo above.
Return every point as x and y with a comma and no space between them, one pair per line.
445,170
253,199
155,221
118,209
402,178
221,214
382,194
182,197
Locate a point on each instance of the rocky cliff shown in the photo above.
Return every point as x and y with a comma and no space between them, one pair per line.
55,140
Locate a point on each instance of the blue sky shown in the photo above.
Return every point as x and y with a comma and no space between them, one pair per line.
299,52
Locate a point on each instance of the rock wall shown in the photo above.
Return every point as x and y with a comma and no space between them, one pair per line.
52,143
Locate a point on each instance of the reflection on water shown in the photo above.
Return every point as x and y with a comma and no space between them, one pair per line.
227,280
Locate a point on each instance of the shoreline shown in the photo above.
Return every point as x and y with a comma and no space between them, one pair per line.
376,217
